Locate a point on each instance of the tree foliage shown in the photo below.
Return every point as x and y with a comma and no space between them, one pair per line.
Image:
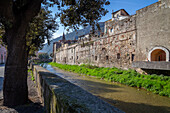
82,12
2,31
43,56
76,13
41,28
72,14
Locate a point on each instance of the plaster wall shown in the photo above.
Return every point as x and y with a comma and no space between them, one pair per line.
153,28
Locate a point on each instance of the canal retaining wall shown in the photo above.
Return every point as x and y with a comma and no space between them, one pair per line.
61,96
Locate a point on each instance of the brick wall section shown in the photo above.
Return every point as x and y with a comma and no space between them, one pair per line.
61,96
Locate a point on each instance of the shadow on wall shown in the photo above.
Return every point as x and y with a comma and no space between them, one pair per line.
158,72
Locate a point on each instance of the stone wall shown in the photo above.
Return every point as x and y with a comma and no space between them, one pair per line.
144,36
115,49
61,96
153,28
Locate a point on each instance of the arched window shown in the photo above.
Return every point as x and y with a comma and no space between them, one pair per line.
158,54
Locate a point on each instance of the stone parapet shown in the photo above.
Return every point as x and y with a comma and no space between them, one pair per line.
152,65
61,96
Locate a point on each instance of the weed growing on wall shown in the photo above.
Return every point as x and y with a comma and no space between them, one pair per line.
31,74
154,83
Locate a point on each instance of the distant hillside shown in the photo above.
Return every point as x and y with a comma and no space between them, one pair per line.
70,36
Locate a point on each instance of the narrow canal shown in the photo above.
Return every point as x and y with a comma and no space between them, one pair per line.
128,99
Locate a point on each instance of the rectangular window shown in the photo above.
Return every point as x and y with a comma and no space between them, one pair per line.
95,57
118,55
111,30
133,57
77,57
107,57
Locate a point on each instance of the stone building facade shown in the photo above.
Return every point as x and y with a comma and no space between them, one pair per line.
153,32
144,36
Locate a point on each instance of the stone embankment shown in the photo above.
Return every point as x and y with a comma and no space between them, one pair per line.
61,96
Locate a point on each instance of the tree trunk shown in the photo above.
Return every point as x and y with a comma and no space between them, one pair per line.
17,16
15,90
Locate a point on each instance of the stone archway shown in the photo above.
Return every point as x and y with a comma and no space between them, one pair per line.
158,54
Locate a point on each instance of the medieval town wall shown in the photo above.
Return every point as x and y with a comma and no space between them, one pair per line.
125,41
116,49
153,29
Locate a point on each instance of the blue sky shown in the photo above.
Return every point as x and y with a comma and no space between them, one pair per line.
129,5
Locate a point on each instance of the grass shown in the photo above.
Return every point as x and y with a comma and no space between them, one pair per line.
158,84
